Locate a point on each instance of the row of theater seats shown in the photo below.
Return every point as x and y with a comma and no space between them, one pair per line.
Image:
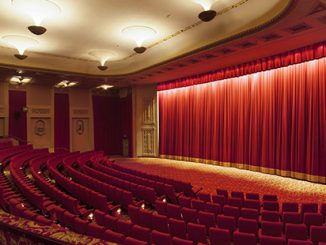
192,220
179,186
140,191
159,187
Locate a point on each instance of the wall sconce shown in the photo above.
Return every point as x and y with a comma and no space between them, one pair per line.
21,43
38,10
208,14
139,34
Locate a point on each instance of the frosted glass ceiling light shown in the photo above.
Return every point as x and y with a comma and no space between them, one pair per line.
38,10
102,56
19,80
104,86
139,34
66,84
21,43
208,14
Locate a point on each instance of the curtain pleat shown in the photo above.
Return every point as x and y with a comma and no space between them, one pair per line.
271,121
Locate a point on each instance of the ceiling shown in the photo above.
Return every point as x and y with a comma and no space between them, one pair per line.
243,30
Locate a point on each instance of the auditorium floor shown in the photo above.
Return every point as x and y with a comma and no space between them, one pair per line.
211,177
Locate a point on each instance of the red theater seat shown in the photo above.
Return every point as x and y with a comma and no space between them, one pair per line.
133,213
299,242
207,219
133,241
180,241
184,201
240,238
173,211
290,207
189,215
206,197
312,219
141,233
177,228
222,192
196,233
309,208
160,223
219,199
213,208
226,222
269,228
145,218
161,207
160,238
219,236
252,196
113,236
269,240
318,234
296,231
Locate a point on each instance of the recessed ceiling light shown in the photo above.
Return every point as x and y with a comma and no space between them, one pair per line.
21,43
139,34
38,10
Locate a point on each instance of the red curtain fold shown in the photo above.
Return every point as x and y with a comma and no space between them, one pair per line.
17,117
273,119
61,121
315,51
112,123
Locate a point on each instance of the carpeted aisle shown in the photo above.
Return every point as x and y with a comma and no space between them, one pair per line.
211,177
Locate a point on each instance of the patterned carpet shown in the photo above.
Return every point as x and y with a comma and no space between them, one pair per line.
211,177
55,233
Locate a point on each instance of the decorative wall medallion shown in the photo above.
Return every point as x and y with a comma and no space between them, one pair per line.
80,127
39,128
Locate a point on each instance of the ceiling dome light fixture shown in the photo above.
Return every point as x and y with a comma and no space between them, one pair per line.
139,34
102,56
19,80
208,14
104,86
21,43
66,84
38,10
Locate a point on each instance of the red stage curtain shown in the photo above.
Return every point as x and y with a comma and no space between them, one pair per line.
271,121
17,117
315,51
61,121
112,121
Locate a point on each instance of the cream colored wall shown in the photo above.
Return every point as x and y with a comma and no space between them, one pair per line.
40,104
145,121
81,120
40,120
